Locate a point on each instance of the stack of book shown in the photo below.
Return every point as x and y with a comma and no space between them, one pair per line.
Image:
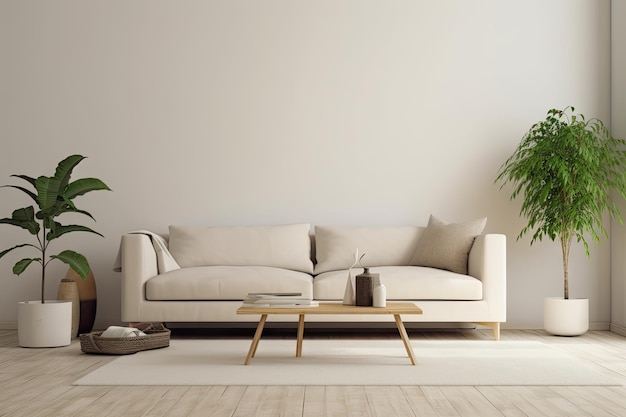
278,300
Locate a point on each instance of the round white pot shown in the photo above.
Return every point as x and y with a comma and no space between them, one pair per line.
44,325
563,317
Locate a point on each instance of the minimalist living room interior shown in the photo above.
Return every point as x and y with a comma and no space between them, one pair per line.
335,114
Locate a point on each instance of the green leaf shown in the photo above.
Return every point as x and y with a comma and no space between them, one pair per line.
75,260
26,191
24,218
83,186
48,192
64,169
61,207
30,180
4,252
58,230
20,266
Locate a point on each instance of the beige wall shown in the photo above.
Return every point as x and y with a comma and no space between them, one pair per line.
618,125
351,112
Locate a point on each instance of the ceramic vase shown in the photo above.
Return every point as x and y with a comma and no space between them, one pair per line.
349,293
68,291
88,300
46,324
379,294
364,288
566,317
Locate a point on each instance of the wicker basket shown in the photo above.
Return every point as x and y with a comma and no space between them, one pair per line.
157,336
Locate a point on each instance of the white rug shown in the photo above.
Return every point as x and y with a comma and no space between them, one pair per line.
350,362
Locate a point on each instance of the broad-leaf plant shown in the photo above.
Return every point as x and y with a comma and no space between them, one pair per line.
52,196
566,169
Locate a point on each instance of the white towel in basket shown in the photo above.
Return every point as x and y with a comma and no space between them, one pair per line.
119,331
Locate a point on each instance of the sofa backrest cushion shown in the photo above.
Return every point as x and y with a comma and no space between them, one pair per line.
383,246
283,246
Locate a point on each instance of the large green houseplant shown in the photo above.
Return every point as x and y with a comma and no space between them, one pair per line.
566,169
52,197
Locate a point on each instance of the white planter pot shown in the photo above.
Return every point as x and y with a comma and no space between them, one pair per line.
563,317
44,325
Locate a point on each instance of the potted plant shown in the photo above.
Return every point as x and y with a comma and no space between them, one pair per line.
53,196
566,169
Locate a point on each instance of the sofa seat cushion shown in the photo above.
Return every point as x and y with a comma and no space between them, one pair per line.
405,283
226,283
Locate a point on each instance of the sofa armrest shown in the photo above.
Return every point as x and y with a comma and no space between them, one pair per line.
139,263
487,262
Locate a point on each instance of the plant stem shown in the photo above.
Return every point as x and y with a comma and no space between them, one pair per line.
42,242
566,243
43,282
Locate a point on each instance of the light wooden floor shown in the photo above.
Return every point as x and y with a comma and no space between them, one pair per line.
38,382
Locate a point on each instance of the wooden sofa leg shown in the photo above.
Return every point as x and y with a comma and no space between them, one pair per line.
495,326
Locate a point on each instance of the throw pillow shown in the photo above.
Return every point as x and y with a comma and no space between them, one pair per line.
382,246
446,245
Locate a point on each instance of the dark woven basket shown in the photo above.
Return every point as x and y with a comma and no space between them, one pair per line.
157,336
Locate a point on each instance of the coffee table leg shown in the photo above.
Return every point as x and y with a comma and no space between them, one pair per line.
300,335
405,338
255,340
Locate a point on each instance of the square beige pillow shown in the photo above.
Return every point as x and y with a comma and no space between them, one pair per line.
335,246
446,245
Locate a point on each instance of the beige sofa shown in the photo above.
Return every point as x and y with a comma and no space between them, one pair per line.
201,274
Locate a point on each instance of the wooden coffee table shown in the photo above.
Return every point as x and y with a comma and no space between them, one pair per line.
392,308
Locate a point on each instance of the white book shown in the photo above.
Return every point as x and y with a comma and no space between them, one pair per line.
273,294
292,305
286,300
277,298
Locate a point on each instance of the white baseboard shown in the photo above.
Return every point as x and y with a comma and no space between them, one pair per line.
616,328
8,325
621,330
539,326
